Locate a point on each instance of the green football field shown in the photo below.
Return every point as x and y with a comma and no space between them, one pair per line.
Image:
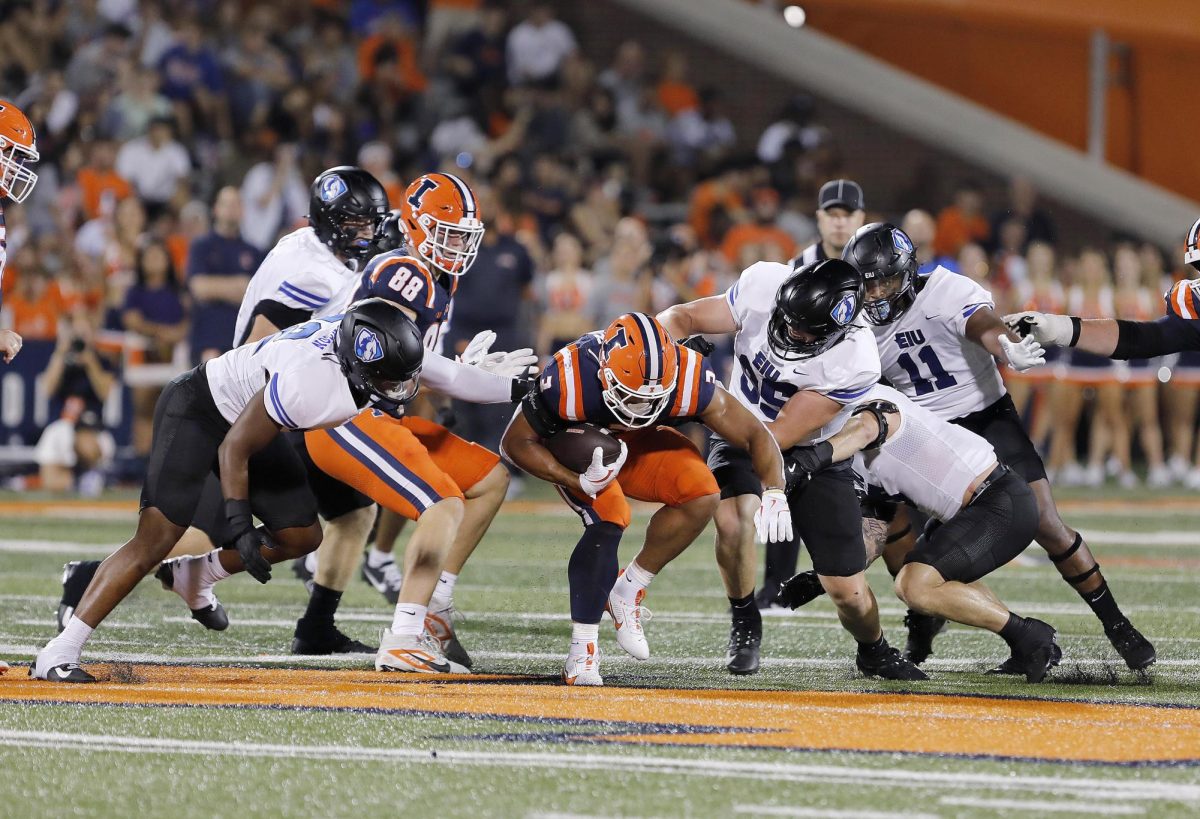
194,723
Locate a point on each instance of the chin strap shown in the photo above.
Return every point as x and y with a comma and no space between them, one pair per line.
880,410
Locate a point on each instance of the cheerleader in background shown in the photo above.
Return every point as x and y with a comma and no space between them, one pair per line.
1091,296
1032,390
1136,301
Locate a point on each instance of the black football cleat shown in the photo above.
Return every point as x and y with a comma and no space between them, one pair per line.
742,654
764,598
922,628
76,577
385,579
65,673
211,617
1036,655
800,589
1137,652
326,639
887,664
1013,664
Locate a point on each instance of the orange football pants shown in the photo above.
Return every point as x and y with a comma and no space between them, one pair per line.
663,466
404,465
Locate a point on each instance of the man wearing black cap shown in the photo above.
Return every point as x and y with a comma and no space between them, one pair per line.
839,214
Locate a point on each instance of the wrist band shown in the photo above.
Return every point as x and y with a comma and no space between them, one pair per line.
1076,326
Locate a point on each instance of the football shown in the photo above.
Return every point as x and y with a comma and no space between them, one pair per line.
573,447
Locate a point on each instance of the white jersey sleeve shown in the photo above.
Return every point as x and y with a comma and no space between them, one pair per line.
300,273
755,289
464,382
926,354
302,380
928,460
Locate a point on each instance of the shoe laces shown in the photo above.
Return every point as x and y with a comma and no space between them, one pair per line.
431,644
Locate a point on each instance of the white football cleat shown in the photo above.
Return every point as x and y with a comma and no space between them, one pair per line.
53,665
440,625
583,668
418,655
627,617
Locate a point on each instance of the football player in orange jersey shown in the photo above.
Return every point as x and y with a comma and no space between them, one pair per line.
18,149
632,378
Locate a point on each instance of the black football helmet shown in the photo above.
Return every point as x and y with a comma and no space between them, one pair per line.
821,300
341,202
887,260
381,353
390,235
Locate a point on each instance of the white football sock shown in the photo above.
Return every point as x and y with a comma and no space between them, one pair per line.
409,618
582,634
443,594
211,570
376,558
67,646
633,580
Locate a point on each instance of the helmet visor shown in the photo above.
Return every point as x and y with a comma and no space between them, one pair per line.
400,392
635,408
16,179
454,246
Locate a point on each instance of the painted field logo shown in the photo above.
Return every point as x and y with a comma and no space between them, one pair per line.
843,311
367,347
332,188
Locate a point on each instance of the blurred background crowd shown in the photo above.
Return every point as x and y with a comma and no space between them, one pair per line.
178,139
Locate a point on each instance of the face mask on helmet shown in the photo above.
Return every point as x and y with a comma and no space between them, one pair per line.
450,247
16,179
888,298
791,342
634,407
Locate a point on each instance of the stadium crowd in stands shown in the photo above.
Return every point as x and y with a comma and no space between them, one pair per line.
178,139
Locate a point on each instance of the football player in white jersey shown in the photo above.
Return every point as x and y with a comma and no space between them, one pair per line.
986,515
18,149
939,341
297,280
802,361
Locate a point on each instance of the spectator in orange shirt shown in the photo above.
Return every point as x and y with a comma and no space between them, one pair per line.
100,184
718,201
962,222
675,93
761,238
392,32
36,303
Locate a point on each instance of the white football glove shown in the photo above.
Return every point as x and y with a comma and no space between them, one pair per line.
1047,329
597,476
1024,354
773,520
516,364
477,348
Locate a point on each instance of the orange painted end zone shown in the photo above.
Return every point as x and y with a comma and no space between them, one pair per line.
812,720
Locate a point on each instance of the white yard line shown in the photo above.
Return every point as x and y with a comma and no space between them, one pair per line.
821,813
854,774
1036,806
94,654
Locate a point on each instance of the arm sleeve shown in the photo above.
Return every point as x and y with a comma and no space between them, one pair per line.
463,382
281,315
1147,339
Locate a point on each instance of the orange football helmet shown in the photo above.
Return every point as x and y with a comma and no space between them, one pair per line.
442,220
18,146
639,364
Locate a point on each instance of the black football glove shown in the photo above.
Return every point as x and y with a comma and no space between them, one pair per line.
800,589
700,344
801,462
247,540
